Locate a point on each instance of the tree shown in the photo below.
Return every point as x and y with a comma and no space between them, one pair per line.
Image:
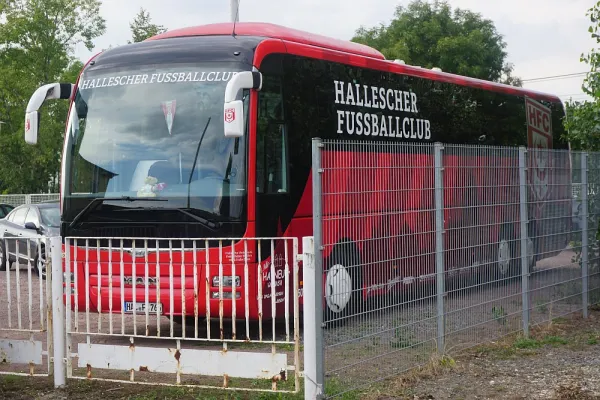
37,43
142,27
583,118
432,35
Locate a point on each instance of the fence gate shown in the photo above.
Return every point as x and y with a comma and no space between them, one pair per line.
25,308
161,311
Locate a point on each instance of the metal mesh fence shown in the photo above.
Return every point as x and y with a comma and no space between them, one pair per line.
481,244
590,226
428,249
16,200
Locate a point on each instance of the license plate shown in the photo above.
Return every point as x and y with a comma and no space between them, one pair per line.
140,307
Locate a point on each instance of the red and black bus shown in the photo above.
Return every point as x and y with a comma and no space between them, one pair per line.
206,132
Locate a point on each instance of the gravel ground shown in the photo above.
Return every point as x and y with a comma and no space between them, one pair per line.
561,361
395,338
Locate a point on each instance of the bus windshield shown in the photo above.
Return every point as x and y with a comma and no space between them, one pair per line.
155,132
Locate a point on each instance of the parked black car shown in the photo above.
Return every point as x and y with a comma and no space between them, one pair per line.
30,226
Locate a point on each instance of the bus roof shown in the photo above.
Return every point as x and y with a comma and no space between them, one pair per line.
276,32
297,36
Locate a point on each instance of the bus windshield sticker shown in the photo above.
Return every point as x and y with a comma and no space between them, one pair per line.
161,77
169,108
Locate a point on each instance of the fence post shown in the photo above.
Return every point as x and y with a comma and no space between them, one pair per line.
584,235
439,245
313,288
524,222
58,311
313,367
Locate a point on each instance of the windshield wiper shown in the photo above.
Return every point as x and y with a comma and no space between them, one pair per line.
210,224
99,200
195,161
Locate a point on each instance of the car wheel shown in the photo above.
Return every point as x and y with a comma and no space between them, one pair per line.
40,264
3,259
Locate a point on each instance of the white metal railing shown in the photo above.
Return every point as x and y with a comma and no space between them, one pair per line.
25,335
150,288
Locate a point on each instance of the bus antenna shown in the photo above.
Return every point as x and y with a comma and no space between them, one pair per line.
234,10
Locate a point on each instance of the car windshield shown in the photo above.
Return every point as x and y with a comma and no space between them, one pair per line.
156,132
50,217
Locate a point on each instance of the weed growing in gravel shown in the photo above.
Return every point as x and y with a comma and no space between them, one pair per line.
529,343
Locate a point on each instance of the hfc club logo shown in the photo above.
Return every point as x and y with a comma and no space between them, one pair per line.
229,115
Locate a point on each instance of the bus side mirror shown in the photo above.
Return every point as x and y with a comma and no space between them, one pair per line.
32,114
32,125
233,109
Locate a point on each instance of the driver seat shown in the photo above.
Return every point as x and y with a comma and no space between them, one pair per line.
165,172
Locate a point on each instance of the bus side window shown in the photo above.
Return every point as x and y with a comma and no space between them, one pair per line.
272,143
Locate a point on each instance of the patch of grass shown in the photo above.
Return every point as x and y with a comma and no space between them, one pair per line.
531,343
334,386
21,388
527,343
555,340
592,340
402,339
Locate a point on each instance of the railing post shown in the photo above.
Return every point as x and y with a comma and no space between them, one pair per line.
58,311
584,235
313,344
524,222
439,246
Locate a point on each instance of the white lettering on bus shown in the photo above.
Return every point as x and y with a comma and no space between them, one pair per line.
371,124
162,77
357,123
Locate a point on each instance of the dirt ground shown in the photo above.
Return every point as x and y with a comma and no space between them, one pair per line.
559,361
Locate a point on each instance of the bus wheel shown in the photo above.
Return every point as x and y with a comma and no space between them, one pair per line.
342,285
531,261
508,260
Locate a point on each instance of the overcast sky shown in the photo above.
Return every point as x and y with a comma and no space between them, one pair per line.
544,37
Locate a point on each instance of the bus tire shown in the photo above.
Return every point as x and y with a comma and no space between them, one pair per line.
508,259
342,285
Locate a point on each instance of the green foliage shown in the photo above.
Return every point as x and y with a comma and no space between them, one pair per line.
529,343
583,118
433,35
142,27
38,40
499,314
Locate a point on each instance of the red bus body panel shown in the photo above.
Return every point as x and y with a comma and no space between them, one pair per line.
399,223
